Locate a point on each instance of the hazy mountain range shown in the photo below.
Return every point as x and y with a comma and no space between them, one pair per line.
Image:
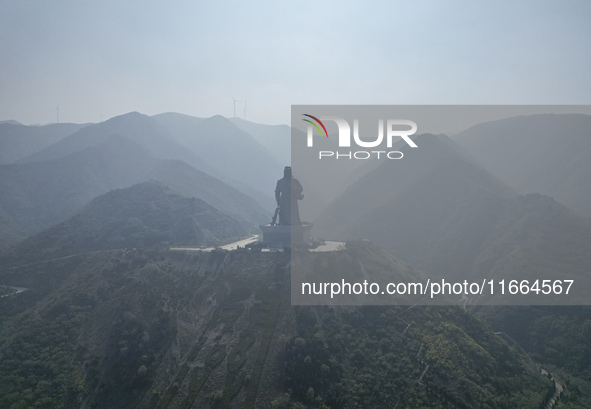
65,170
110,317
19,141
438,210
230,151
545,154
144,215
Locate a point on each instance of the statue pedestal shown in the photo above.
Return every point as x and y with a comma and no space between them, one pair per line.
284,236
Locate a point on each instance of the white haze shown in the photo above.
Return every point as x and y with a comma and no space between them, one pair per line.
101,59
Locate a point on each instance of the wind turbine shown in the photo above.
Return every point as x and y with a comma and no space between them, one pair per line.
57,112
245,110
234,104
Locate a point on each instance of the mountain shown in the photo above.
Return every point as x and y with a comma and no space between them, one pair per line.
180,126
192,183
10,232
422,207
276,138
419,358
101,314
146,214
39,194
558,336
440,212
214,145
545,154
18,141
167,329
140,128
230,150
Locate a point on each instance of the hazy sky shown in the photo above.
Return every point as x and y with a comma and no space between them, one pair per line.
106,58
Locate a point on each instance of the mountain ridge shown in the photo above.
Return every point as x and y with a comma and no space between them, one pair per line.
545,153
143,215
18,141
39,194
449,217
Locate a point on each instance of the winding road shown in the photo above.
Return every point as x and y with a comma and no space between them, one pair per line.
18,290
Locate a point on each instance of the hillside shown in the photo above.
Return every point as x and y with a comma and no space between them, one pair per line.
230,150
10,232
276,138
430,209
201,143
141,129
544,154
164,329
18,141
143,215
97,312
557,337
39,194
438,211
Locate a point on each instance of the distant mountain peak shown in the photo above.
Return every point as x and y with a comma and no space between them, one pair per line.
222,123
132,114
11,122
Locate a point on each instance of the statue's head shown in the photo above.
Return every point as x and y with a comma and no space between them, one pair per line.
287,172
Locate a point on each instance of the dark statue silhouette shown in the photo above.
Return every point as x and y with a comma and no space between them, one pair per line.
287,193
290,231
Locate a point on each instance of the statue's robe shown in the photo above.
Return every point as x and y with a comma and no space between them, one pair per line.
287,193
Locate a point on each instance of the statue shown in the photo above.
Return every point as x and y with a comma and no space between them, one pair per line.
287,193
290,231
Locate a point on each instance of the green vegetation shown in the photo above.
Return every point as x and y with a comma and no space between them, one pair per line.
558,338
256,310
153,328
98,331
144,215
422,358
37,364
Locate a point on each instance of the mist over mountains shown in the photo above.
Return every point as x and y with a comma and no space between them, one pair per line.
231,151
275,138
143,215
110,317
59,178
439,210
140,128
18,141
545,154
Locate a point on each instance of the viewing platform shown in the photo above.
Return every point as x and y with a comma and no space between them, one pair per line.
279,236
